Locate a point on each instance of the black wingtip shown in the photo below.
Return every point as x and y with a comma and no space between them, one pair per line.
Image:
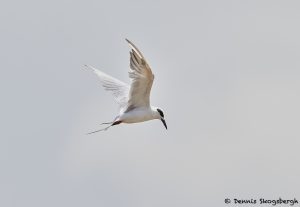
87,67
128,41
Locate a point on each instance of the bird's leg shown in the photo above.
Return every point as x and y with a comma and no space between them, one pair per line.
116,123
106,123
112,122
99,130
104,129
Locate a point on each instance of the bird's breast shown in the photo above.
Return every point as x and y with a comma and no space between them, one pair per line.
136,115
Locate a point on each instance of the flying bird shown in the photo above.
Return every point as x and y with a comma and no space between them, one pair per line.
133,99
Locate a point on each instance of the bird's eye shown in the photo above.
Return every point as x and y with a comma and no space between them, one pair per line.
160,112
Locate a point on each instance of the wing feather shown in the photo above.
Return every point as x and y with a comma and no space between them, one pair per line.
141,79
138,93
119,89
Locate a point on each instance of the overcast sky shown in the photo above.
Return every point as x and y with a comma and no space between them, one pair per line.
226,75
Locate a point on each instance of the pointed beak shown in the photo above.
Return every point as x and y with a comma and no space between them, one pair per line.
164,122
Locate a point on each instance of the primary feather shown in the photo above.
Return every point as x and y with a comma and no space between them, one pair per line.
118,88
141,79
138,93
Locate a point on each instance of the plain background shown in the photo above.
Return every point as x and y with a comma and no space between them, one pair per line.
227,78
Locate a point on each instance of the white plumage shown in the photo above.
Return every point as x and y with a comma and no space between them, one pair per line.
134,99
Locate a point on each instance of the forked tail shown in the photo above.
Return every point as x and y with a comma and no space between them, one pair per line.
104,129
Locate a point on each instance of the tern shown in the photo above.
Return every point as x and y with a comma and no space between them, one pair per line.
134,99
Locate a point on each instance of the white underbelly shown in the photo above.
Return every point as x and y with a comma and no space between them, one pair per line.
136,116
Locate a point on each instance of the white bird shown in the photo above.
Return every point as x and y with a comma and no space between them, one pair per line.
133,100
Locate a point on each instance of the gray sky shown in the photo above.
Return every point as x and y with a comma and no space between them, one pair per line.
227,77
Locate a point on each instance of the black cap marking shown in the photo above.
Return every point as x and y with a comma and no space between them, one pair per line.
161,113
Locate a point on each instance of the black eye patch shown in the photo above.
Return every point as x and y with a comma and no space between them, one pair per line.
160,112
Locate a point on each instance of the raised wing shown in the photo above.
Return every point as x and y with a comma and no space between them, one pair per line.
141,79
119,89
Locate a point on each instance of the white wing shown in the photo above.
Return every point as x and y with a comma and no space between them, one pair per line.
142,79
119,89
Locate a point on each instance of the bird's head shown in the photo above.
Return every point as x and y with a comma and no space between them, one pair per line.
159,114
